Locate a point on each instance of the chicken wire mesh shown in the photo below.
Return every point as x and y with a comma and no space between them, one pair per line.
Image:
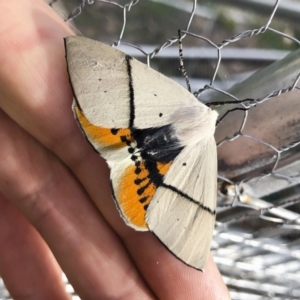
241,50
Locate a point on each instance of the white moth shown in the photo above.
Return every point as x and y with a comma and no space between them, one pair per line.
158,141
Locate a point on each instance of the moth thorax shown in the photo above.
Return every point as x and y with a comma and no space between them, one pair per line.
193,124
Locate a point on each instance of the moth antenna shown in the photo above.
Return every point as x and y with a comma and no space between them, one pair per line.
182,69
249,100
229,111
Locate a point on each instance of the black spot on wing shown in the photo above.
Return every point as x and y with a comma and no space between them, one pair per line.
142,189
137,170
134,157
144,199
130,150
114,131
138,181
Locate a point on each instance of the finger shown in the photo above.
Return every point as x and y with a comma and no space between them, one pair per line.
31,43
27,266
180,281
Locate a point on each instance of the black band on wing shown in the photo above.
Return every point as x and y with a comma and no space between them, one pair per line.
175,190
131,91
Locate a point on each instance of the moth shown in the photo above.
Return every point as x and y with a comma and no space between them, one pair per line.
158,141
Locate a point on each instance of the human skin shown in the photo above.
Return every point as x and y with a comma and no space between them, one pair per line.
56,210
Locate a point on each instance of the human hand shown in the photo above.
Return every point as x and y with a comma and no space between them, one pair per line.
56,209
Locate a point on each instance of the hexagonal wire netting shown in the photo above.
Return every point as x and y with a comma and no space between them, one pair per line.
235,51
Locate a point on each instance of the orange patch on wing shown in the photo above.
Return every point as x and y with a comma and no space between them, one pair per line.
130,199
101,135
136,192
163,168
